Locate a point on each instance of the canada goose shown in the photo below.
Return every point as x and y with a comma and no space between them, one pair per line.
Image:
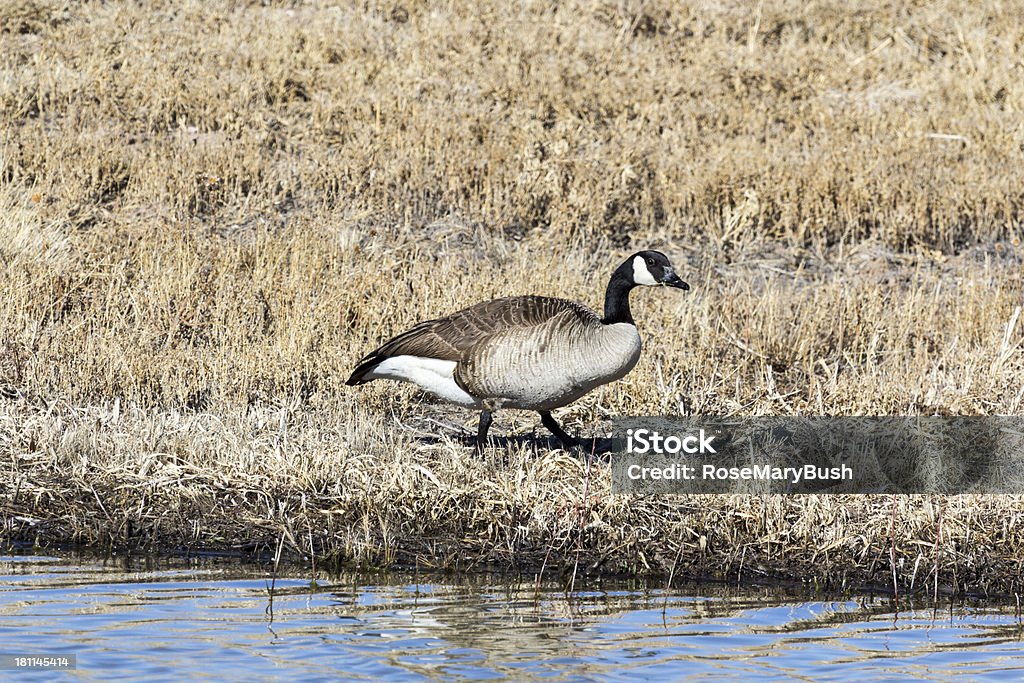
528,352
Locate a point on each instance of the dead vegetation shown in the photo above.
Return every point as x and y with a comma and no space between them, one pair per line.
208,211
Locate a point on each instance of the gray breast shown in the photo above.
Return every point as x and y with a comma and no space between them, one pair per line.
551,364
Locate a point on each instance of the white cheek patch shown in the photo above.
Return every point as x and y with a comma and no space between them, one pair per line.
641,275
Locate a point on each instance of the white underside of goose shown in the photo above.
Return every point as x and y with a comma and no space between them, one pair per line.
430,374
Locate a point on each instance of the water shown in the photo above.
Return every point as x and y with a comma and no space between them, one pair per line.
170,620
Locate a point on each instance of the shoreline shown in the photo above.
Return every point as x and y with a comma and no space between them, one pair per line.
291,566
437,506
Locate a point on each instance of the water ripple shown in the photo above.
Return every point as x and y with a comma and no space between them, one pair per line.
126,620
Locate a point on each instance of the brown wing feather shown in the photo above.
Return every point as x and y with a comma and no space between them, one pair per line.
454,336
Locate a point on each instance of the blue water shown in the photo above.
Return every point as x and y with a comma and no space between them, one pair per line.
166,620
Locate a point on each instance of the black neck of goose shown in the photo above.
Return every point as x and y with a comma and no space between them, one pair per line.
616,299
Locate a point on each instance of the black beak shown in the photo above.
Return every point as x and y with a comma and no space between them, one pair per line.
674,280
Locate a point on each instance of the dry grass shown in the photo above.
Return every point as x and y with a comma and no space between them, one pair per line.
209,211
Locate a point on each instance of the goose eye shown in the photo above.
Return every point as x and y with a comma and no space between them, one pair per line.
650,261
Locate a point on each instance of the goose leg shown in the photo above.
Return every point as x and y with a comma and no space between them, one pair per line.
556,429
481,430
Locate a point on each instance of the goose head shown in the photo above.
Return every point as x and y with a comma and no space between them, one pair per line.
651,268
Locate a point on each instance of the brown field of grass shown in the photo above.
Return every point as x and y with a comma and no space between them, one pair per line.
210,210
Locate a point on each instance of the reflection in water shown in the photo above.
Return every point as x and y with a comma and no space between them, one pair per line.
157,618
